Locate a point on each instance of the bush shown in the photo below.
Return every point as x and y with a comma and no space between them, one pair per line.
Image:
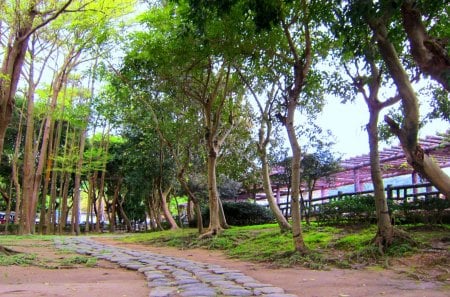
361,209
349,209
243,214
431,211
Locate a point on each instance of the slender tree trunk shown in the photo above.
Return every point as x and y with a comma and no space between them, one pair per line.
124,215
193,199
65,181
222,217
385,233
26,211
267,185
77,185
51,215
214,220
297,233
165,207
15,168
115,201
408,132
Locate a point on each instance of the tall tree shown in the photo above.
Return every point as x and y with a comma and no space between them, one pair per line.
379,16
183,65
21,19
264,139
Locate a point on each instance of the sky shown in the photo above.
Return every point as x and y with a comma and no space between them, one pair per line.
347,123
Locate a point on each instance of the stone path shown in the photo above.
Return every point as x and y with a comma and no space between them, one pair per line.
175,277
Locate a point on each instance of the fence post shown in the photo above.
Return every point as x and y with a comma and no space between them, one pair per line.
389,191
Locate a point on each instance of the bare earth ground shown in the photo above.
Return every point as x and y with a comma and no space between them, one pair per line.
110,281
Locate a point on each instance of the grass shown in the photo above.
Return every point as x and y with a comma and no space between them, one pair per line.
343,246
65,258
338,246
18,259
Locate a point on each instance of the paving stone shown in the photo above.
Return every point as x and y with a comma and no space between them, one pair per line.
174,277
163,292
269,290
236,292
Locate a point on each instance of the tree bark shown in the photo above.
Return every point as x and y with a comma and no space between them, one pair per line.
265,130
297,234
300,67
165,207
193,199
22,28
385,233
429,53
214,220
267,185
124,215
77,185
10,73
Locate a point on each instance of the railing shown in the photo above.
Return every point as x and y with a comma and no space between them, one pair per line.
400,194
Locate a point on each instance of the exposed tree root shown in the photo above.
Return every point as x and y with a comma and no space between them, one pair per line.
396,237
7,251
210,233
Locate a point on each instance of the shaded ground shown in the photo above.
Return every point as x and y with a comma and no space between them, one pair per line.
413,276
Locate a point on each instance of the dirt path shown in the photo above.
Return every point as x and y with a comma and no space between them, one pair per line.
108,280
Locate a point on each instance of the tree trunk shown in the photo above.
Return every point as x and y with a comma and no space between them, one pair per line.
53,209
385,232
115,202
10,75
193,199
26,211
165,207
64,183
267,185
124,215
408,132
77,185
297,233
15,167
222,217
214,220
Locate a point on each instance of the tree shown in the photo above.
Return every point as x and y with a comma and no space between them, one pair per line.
425,24
293,44
320,164
21,20
264,139
182,65
379,18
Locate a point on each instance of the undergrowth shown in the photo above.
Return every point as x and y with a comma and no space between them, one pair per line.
329,246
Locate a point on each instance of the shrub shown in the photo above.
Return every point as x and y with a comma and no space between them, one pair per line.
349,209
243,214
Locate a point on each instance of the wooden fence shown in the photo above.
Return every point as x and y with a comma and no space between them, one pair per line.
400,194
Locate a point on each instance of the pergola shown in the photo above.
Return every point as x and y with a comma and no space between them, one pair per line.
356,171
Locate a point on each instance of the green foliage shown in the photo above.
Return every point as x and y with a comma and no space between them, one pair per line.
78,260
21,259
243,214
349,209
431,211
